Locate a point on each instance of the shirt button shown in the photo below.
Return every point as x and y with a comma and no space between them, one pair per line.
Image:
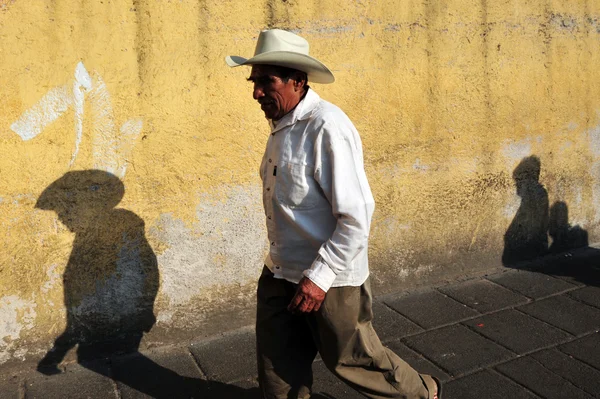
270,160
269,217
276,267
273,243
268,188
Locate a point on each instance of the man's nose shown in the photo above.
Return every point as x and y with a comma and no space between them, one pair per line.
258,92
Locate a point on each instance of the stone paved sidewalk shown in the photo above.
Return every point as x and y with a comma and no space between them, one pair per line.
513,334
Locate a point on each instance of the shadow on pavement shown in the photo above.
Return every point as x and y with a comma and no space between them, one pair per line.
147,377
526,239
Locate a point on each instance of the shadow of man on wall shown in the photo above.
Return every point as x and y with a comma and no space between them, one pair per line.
527,235
526,239
110,283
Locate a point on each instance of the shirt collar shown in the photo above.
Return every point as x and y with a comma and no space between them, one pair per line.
302,111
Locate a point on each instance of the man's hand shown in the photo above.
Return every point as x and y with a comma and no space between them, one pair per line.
308,297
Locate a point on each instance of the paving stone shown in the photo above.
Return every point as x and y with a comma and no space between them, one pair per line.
228,358
586,349
571,369
457,349
9,389
485,384
243,389
518,332
531,284
579,267
589,295
430,309
566,313
417,361
530,373
75,382
390,325
247,383
326,385
573,280
156,374
483,295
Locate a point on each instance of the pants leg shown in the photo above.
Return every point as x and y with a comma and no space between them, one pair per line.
284,343
350,348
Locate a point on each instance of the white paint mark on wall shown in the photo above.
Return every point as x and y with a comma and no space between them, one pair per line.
420,271
82,77
515,151
593,136
511,208
120,294
82,83
16,315
594,140
53,278
419,166
226,246
44,112
110,148
165,316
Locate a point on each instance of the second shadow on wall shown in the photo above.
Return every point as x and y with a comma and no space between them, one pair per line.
526,241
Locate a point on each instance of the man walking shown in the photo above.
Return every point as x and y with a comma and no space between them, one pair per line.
314,293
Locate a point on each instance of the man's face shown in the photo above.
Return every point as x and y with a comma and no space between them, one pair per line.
276,98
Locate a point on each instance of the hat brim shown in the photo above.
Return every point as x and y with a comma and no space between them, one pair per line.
317,71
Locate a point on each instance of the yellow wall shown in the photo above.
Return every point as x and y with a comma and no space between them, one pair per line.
449,97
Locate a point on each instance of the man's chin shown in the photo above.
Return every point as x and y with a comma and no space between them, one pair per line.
270,112
270,115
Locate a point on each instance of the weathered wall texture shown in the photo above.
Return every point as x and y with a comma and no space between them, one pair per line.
450,98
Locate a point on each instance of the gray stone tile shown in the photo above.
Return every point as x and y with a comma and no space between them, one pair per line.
574,280
165,373
531,374
430,309
75,382
589,295
518,332
416,361
579,267
483,295
457,349
566,313
586,349
9,388
485,384
246,383
242,389
326,385
228,358
579,374
390,325
531,284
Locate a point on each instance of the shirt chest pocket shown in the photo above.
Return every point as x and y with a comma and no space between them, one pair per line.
295,186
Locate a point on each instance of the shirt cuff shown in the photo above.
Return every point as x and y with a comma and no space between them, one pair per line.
320,274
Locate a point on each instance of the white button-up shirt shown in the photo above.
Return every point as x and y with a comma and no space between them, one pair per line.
318,203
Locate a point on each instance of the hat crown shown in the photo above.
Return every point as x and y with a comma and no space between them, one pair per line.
280,40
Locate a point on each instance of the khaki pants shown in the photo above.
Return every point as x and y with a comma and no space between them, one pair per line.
341,331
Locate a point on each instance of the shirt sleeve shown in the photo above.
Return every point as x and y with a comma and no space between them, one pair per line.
339,170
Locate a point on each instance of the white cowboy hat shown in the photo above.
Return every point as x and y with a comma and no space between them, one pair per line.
283,48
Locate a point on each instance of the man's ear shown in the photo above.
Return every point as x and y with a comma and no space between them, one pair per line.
299,82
